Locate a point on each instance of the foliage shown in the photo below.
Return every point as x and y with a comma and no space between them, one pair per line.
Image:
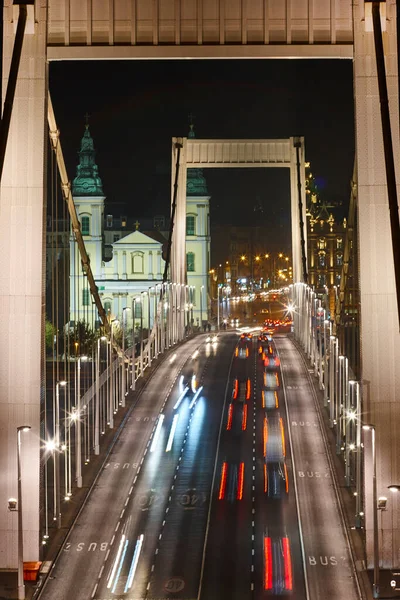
49,332
81,339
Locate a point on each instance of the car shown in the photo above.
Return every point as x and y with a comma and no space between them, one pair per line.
276,483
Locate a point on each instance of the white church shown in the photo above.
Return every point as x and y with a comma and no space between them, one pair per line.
128,265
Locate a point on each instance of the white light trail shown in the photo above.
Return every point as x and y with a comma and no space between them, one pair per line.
195,397
121,562
181,383
135,561
195,354
110,581
172,433
171,360
181,397
157,433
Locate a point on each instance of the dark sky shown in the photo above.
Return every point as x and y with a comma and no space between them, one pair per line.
137,106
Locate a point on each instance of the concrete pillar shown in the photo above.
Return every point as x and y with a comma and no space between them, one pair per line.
21,286
178,253
380,339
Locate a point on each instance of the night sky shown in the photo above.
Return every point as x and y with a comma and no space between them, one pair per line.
136,107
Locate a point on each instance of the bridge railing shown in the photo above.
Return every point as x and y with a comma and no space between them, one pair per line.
313,330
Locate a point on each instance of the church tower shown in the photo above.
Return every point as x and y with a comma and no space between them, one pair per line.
87,191
197,242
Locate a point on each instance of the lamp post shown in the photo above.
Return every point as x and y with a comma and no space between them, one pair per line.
21,585
112,390
358,456
78,428
201,307
375,587
57,454
123,391
97,407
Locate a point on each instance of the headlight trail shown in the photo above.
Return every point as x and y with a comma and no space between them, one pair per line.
121,544
157,432
172,433
181,397
135,561
195,397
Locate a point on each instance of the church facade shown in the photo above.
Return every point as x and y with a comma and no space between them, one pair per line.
128,264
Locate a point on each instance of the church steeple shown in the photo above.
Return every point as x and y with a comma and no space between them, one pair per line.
196,184
87,181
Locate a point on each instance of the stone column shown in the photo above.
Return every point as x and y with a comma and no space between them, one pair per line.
124,275
159,274
150,274
115,264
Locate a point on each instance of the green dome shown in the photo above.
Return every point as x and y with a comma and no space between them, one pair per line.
87,181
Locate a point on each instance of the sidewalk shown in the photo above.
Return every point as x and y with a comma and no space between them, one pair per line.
348,504
71,510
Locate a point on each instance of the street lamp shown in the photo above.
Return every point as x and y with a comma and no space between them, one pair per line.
394,488
78,429
57,455
123,356
97,407
375,587
12,505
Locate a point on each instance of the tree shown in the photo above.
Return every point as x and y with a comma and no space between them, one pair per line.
81,339
50,332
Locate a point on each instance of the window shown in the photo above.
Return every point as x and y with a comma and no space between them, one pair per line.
190,225
109,221
321,244
321,280
138,262
339,260
321,259
85,297
85,225
159,222
190,261
123,221
339,244
138,309
116,238
337,280
107,307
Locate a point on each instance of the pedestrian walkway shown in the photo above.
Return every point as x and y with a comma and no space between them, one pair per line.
71,509
348,503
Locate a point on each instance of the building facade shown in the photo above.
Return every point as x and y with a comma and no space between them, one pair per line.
128,263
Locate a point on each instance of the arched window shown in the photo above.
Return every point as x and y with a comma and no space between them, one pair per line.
190,225
321,280
85,225
107,307
321,244
321,259
190,261
339,244
339,260
337,279
138,262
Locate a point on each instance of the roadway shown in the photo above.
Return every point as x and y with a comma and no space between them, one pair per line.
180,508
